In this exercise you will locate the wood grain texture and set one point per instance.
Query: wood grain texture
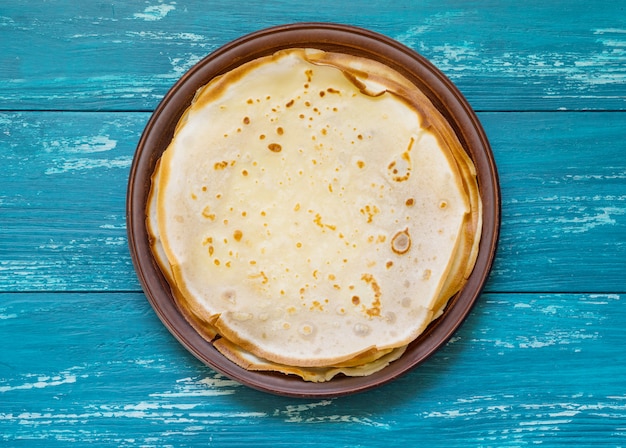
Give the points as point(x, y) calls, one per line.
point(65, 175)
point(63, 200)
point(563, 180)
point(125, 55)
point(523, 369)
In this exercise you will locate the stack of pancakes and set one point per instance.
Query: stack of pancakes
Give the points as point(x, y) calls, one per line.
point(313, 214)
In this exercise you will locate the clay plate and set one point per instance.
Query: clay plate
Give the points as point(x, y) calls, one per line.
point(330, 37)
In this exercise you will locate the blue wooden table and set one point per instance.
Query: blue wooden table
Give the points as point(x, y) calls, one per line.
point(85, 360)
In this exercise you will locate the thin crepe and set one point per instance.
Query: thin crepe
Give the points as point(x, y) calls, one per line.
point(315, 206)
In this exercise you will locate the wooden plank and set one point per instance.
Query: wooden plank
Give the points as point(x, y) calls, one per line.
point(62, 224)
point(564, 201)
point(101, 369)
point(125, 55)
point(62, 200)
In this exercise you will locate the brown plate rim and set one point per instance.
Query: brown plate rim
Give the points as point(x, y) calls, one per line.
point(331, 37)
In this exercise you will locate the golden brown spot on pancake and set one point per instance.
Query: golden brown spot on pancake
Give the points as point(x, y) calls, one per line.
point(289, 103)
point(296, 207)
point(370, 211)
point(217, 262)
point(206, 212)
point(309, 75)
point(274, 147)
point(261, 275)
point(237, 234)
point(220, 165)
point(322, 93)
point(204, 188)
point(318, 220)
point(406, 157)
point(306, 329)
point(262, 137)
point(401, 242)
point(280, 130)
point(374, 310)
point(316, 305)
point(298, 244)
point(389, 264)
point(250, 101)
point(360, 164)
point(355, 299)
point(244, 173)
point(443, 204)
point(360, 137)
point(211, 250)
point(307, 103)
point(410, 202)
point(246, 120)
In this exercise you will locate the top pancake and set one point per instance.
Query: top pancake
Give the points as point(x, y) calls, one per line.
point(314, 207)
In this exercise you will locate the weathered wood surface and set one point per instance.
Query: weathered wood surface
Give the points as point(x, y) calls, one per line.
point(523, 369)
point(532, 55)
point(84, 359)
